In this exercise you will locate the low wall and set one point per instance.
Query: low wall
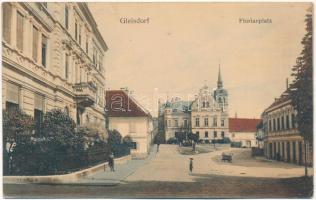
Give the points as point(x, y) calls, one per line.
point(64, 178)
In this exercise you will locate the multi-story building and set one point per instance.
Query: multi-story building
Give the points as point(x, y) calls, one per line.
point(175, 116)
point(209, 112)
point(53, 57)
point(130, 118)
point(282, 140)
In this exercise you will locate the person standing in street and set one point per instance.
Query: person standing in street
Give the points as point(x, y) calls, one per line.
point(111, 162)
point(158, 146)
point(191, 165)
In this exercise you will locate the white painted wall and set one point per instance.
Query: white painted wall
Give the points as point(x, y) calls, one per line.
point(140, 130)
point(244, 137)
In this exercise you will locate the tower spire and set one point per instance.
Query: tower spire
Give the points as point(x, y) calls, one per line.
point(219, 80)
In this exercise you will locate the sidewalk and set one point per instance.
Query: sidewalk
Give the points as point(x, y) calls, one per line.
point(122, 171)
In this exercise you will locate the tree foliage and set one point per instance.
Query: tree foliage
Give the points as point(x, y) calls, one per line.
point(301, 90)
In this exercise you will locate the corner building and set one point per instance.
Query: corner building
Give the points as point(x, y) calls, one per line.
point(53, 57)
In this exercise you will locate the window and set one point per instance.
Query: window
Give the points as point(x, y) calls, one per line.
point(274, 127)
point(76, 31)
point(205, 121)
point(185, 122)
point(35, 43)
point(206, 134)
point(270, 127)
point(87, 45)
point(44, 50)
point(132, 128)
point(176, 123)
point(197, 121)
point(287, 122)
point(19, 31)
point(222, 122)
point(203, 104)
point(278, 124)
point(215, 134)
point(134, 145)
point(223, 134)
point(6, 23)
point(214, 121)
point(80, 34)
point(282, 123)
point(197, 134)
point(38, 112)
point(66, 17)
point(67, 66)
point(12, 97)
point(293, 120)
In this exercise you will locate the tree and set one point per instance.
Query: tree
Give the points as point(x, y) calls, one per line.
point(17, 130)
point(301, 90)
point(59, 142)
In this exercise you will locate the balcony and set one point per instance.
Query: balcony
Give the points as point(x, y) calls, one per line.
point(85, 94)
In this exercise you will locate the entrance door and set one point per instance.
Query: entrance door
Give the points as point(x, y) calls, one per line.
point(294, 152)
point(288, 152)
point(270, 150)
point(300, 151)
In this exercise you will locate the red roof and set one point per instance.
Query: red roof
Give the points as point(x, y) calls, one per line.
point(243, 125)
point(120, 104)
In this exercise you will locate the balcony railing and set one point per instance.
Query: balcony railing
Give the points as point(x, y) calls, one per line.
point(85, 94)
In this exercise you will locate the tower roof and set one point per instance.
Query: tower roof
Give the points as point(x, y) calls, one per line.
point(219, 80)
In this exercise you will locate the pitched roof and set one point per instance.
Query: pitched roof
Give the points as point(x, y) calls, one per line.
point(120, 104)
point(243, 124)
point(279, 101)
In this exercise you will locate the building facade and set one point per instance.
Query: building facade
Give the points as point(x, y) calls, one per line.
point(209, 112)
point(282, 140)
point(175, 116)
point(52, 57)
point(129, 118)
point(244, 131)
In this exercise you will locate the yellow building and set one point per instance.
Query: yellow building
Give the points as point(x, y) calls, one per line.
point(52, 57)
point(282, 140)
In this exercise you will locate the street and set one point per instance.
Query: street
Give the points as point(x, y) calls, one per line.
point(166, 175)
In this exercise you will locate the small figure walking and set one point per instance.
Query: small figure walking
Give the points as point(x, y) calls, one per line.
point(158, 146)
point(111, 162)
point(191, 165)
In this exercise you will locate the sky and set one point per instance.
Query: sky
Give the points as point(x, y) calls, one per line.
point(182, 46)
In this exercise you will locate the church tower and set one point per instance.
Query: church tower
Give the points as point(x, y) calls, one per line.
point(220, 94)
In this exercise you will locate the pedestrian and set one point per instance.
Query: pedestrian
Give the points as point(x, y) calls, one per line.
point(111, 162)
point(158, 146)
point(191, 165)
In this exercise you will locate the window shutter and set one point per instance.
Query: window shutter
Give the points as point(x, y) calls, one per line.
point(6, 23)
point(12, 93)
point(35, 43)
point(19, 33)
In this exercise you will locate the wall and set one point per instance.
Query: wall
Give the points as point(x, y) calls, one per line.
point(243, 137)
point(138, 128)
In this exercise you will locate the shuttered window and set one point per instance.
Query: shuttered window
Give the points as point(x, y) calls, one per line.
point(6, 21)
point(12, 93)
point(38, 102)
point(35, 44)
point(19, 31)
